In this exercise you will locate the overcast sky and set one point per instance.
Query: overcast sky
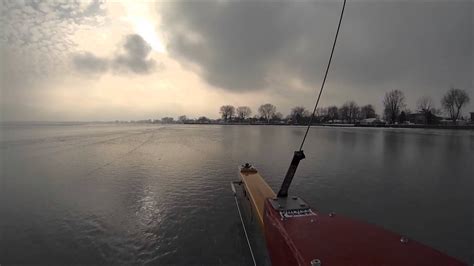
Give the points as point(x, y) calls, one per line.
point(138, 60)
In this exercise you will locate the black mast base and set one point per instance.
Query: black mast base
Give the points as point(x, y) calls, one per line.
point(297, 157)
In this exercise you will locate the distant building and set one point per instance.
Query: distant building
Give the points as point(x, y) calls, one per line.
point(422, 118)
point(472, 116)
point(417, 118)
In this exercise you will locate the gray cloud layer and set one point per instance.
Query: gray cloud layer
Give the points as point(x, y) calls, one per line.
point(43, 30)
point(243, 46)
point(132, 59)
point(35, 39)
point(90, 64)
point(135, 57)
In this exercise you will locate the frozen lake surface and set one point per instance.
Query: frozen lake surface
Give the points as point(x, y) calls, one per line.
point(121, 194)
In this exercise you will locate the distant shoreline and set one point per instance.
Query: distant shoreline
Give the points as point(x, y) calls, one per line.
point(75, 123)
point(416, 126)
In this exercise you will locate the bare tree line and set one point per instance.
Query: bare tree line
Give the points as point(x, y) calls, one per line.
point(452, 102)
point(394, 111)
point(267, 112)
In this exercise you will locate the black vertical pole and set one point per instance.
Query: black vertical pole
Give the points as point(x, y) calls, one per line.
point(297, 157)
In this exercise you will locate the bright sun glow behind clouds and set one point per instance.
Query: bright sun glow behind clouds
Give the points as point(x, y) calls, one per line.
point(146, 29)
point(145, 23)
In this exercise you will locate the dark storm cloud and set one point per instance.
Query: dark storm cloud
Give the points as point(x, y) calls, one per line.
point(245, 45)
point(234, 42)
point(132, 58)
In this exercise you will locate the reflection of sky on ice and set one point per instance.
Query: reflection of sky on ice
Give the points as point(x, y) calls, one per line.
point(105, 193)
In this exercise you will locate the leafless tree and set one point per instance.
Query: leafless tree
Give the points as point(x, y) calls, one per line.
point(227, 111)
point(354, 111)
point(344, 112)
point(367, 111)
point(350, 111)
point(297, 114)
point(426, 106)
point(453, 101)
point(167, 120)
point(182, 119)
point(277, 116)
point(333, 113)
point(243, 112)
point(267, 111)
point(321, 112)
point(393, 102)
point(203, 119)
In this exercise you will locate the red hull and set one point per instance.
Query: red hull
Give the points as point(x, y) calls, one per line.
point(336, 240)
